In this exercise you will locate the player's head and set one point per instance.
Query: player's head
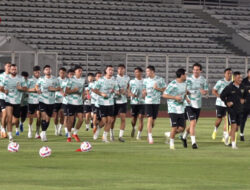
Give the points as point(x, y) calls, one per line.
point(78, 71)
point(98, 75)
point(62, 72)
point(91, 77)
point(248, 73)
point(228, 74)
point(109, 70)
point(36, 71)
point(237, 77)
point(70, 73)
point(7, 67)
point(197, 68)
point(121, 69)
point(13, 69)
point(150, 71)
point(25, 75)
point(47, 70)
point(138, 72)
point(181, 74)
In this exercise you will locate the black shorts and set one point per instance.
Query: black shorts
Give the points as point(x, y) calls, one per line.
point(74, 109)
point(87, 109)
point(233, 117)
point(221, 111)
point(65, 109)
point(2, 105)
point(32, 108)
point(177, 120)
point(137, 110)
point(151, 110)
point(23, 112)
point(47, 108)
point(98, 114)
point(93, 108)
point(192, 113)
point(57, 107)
point(16, 109)
point(107, 111)
point(120, 108)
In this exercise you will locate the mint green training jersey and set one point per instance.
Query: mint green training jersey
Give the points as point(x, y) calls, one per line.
point(153, 96)
point(193, 86)
point(14, 95)
point(2, 79)
point(122, 82)
point(136, 87)
point(175, 88)
point(47, 97)
point(76, 98)
point(107, 86)
point(33, 96)
point(58, 94)
point(219, 87)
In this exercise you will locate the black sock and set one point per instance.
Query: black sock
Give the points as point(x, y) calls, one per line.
point(47, 125)
point(44, 125)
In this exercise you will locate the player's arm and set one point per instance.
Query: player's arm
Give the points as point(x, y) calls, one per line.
point(168, 96)
point(22, 86)
point(71, 91)
point(53, 89)
point(158, 88)
point(97, 91)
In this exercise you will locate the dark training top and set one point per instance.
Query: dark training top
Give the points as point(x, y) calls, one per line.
point(232, 93)
point(246, 84)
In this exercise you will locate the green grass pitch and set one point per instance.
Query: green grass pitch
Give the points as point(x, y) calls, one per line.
point(130, 165)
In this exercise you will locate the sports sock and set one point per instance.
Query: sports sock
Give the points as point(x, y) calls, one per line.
point(215, 129)
point(75, 131)
point(171, 143)
point(87, 126)
point(69, 134)
point(10, 135)
point(193, 139)
point(185, 135)
point(139, 134)
point(241, 134)
point(121, 133)
point(233, 144)
point(105, 134)
point(44, 124)
point(150, 136)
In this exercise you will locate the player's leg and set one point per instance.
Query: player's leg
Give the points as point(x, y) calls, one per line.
point(134, 114)
point(56, 115)
point(244, 116)
point(234, 128)
point(24, 114)
point(61, 121)
point(116, 113)
point(79, 116)
point(87, 120)
point(9, 114)
point(3, 120)
point(140, 126)
point(108, 112)
point(217, 121)
point(16, 115)
point(70, 112)
point(123, 111)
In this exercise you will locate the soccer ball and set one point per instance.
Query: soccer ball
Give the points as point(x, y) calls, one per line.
point(85, 146)
point(13, 147)
point(45, 151)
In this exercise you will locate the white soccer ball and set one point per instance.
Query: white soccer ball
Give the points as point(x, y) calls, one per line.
point(85, 146)
point(45, 151)
point(13, 147)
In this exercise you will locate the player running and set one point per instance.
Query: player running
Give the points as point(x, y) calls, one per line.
point(46, 87)
point(196, 86)
point(176, 94)
point(120, 102)
point(106, 87)
point(3, 99)
point(153, 87)
point(87, 101)
point(221, 108)
point(14, 86)
point(137, 102)
point(75, 94)
point(234, 96)
point(58, 110)
point(33, 102)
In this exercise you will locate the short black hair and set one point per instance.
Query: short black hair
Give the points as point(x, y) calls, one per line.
point(248, 70)
point(197, 65)
point(107, 67)
point(151, 67)
point(13, 65)
point(6, 63)
point(236, 73)
point(180, 72)
point(70, 71)
point(90, 74)
point(98, 73)
point(24, 74)
point(46, 66)
point(77, 67)
point(122, 65)
point(227, 69)
point(138, 69)
point(36, 68)
point(62, 69)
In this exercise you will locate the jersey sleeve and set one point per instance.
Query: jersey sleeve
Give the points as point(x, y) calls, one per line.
point(162, 83)
point(217, 85)
point(98, 85)
point(169, 89)
point(205, 85)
